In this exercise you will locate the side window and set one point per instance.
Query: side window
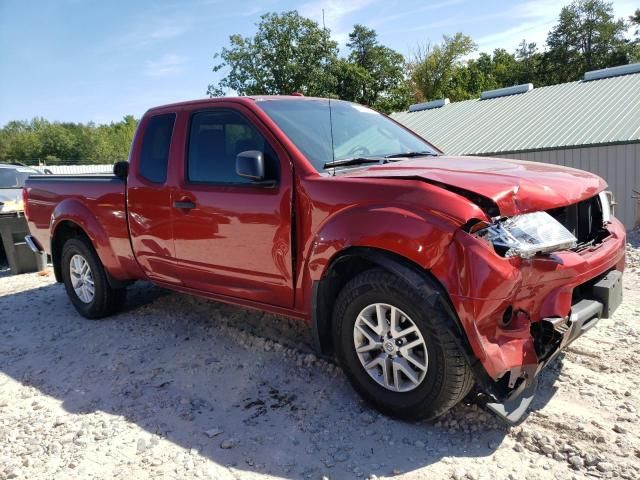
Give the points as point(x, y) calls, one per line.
point(154, 153)
point(215, 139)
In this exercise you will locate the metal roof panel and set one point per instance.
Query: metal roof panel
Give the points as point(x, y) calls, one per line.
point(579, 113)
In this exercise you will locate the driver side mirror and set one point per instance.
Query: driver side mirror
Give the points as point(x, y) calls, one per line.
point(250, 164)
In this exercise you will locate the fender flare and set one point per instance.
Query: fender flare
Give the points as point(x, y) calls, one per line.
point(74, 211)
point(414, 275)
point(397, 228)
point(420, 237)
point(399, 266)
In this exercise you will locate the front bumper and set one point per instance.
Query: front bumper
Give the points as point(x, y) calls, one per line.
point(519, 314)
point(553, 335)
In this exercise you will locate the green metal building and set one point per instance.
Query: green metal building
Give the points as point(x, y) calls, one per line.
point(592, 124)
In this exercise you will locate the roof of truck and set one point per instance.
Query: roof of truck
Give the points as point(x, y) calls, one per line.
point(242, 99)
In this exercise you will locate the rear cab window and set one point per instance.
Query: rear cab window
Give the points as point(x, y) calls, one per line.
point(154, 152)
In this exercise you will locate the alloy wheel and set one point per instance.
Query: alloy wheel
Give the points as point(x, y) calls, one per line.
point(82, 278)
point(390, 347)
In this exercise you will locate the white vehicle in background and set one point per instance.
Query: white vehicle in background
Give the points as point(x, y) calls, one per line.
point(12, 178)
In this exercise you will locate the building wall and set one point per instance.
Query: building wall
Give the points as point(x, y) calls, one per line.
point(619, 165)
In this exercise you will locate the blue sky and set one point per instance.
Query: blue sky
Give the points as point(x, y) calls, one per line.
point(98, 60)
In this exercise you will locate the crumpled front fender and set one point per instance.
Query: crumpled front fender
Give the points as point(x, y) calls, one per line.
point(419, 237)
point(486, 289)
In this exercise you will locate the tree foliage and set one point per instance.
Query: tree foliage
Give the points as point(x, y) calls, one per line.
point(435, 67)
point(372, 74)
point(289, 53)
point(586, 37)
point(635, 20)
point(40, 141)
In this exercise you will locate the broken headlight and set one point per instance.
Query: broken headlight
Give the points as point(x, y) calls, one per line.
point(608, 204)
point(527, 235)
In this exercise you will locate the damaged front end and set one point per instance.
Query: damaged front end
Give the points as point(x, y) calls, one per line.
point(526, 286)
point(528, 235)
point(551, 335)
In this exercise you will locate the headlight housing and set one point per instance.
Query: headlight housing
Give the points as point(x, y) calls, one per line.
point(607, 201)
point(528, 234)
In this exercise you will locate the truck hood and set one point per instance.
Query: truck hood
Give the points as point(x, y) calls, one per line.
point(515, 186)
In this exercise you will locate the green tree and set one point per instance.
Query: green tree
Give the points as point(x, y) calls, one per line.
point(56, 140)
point(635, 20)
point(18, 143)
point(54, 143)
point(485, 72)
point(120, 136)
point(530, 62)
point(349, 80)
point(505, 68)
point(586, 37)
point(372, 74)
point(434, 68)
point(288, 53)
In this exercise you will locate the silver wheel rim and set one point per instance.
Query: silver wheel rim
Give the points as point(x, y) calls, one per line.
point(82, 278)
point(390, 347)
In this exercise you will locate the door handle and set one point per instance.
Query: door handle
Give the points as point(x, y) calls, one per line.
point(184, 204)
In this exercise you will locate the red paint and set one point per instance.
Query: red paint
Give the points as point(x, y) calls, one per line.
point(99, 211)
point(482, 285)
point(239, 244)
point(149, 215)
point(516, 186)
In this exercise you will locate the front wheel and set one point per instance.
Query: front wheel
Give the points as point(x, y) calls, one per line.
point(398, 350)
point(86, 281)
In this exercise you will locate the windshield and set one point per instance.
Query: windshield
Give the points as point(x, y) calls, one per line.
point(357, 131)
point(14, 177)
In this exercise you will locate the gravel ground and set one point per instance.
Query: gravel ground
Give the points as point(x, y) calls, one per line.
point(179, 387)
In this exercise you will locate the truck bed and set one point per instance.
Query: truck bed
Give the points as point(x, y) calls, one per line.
point(97, 203)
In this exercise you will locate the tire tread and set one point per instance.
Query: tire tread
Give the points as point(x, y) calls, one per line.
point(456, 377)
point(107, 300)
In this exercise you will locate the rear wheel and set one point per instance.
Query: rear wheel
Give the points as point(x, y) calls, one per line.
point(86, 281)
point(398, 350)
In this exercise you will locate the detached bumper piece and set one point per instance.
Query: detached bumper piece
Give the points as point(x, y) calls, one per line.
point(514, 407)
point(553, 335)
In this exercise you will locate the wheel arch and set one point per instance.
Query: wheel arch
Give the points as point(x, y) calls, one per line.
point(65, 230)
point(355, 260)
point(71, 217)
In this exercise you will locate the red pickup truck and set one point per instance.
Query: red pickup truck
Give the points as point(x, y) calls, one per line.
point(421, 273)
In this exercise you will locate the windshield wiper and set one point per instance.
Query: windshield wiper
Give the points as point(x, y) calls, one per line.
point(343, 162)
point(411, 154)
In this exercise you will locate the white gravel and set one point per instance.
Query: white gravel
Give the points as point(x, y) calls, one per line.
point(179, 387)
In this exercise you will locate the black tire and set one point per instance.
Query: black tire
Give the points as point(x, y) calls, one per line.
point(448, 378)
point(106, 299)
